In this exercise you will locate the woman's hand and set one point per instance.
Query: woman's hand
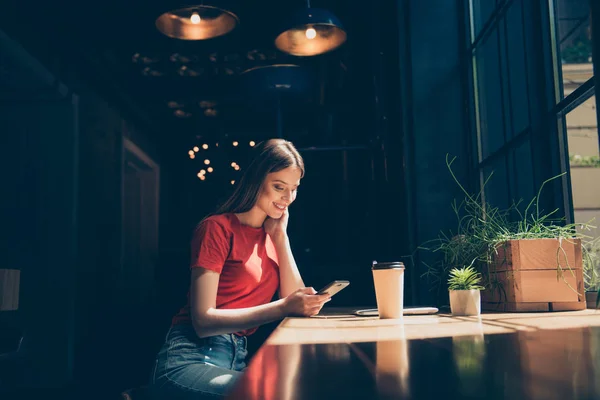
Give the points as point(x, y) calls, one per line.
point(304, 302)
point(277, 228)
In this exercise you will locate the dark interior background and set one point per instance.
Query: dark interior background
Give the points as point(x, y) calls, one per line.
point(374, 124)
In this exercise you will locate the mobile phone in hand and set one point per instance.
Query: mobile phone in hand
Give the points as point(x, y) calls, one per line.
point(333, 287)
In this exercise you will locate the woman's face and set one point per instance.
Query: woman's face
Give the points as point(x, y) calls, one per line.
point(279, 191)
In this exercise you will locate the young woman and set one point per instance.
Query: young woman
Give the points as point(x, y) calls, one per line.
point(240, 257)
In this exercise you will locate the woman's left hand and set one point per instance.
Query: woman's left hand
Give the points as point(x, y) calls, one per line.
point(277, 228)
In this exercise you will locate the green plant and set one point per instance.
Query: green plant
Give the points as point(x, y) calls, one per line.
point(584, 161)
point(483, 228)
point(591, 270)
point(592, 262)
point(465, 278)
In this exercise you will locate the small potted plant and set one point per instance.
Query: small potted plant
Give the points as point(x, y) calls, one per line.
point(464, 285)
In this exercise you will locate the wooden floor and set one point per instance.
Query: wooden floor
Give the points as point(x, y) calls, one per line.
point(497, 356)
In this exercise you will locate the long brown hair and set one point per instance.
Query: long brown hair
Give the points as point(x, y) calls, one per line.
point(270, 156)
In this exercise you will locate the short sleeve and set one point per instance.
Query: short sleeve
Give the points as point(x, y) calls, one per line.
point(210, 246)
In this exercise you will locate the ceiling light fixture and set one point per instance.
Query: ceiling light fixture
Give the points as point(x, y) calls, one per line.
point(310, 32)
point(199, 22)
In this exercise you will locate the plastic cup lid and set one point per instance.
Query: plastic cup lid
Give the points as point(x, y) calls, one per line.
point(388, 265)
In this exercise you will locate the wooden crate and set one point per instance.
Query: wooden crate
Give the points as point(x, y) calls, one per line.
point(528, 270)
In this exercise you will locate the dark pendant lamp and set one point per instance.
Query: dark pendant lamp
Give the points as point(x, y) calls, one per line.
point(196, 22)
point(311, 31)
point(272, 84)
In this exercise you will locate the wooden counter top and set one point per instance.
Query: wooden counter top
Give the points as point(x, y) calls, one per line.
point(496, 356)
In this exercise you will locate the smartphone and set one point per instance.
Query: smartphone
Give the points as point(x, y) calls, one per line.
point(333, 287)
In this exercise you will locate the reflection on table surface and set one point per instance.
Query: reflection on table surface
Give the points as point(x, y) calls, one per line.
point(497, 356)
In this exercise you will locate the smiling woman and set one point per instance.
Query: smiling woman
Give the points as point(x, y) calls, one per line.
point(240, 257)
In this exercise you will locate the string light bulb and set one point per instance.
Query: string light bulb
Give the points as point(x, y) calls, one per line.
point(205, 146)
point(202, 177)
point(252, 144)
point(195, 18)
point(191, 152)
point(233, 164)
point(232, 182)
point(192, 156)
point(235, 144)
point(196, 149)
point(210, 169)
point(237, 167)
point(207, 161)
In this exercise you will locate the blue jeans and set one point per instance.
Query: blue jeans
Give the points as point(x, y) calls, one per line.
point(188, 367)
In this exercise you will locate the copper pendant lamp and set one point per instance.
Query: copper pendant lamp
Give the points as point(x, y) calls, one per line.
point(311, 31)
point(199, 22)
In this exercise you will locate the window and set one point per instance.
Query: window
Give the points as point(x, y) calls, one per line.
point(574, 41)
point(500, 60)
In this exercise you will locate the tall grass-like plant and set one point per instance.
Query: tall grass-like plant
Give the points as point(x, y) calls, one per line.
point(483, 228)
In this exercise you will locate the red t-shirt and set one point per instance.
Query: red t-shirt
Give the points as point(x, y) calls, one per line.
point(245, 258)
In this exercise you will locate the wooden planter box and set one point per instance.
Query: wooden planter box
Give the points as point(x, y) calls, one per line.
point(528, 272)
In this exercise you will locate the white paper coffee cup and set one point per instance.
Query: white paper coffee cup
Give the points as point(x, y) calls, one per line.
point(389, 288)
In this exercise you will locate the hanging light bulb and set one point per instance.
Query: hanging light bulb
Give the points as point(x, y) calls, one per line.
point(300, 37)
point(232, 182)
point(199, 22)
point(195, 18)
point(205, 146)
point(235, 144)
point(311, 33)
point(252, 143)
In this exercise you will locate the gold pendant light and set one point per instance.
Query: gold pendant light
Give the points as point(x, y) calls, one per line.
point(196, 22)
point(310, 32)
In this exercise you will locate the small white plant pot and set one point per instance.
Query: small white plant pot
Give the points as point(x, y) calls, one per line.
point(465, 302)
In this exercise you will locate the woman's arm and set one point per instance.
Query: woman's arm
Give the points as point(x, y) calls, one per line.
point(289, 276)
point(209, 321)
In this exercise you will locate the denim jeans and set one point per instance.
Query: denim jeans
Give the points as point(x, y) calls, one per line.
point(188, 367)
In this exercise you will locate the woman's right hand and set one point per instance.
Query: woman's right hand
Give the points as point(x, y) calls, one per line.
point(304, 302)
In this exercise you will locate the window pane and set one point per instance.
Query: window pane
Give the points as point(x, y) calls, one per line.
point(517, 69)
point(496, 192)
point(481, 11)
point(584, 156)
point(523, 175)
point(489, 95)
point(574, 41)
point(582, 134)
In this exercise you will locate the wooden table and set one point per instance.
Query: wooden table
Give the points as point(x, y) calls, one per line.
point(498, 356)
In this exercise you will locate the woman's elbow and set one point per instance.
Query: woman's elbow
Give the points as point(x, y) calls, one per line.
point(201, 326)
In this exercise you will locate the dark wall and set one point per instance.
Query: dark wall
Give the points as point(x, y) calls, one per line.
point(65, 136)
